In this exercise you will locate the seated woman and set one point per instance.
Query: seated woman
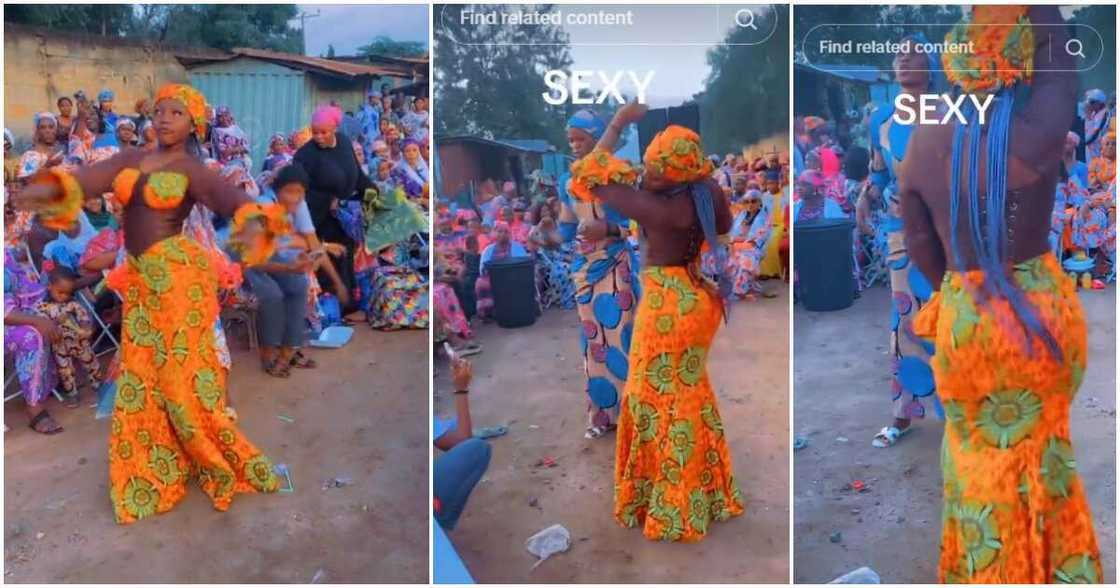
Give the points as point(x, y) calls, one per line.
point(451, 323)
point(554, 260)
point(27, 338)
point(280, 284)
point(503, 247)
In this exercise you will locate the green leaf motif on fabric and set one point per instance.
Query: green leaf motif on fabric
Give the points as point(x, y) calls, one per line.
point(206, 388)
point(154, 271)
point(258, 471)
point(164, 463)
point(711, 420)
point(131, 393)
point(660, 374)
point(683, 439)
point(179, 347)
point(698, 514)
point(140, 497)
point(168, 185)
point(1078, 569)
point(691, 368)
point(1007, 417)
point(1058, 467)
point(180, 420)
point(979, 536)
point(645, 421)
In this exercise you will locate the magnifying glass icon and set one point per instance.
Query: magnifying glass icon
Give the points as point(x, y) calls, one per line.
point(745, 18)
point(1074, 47)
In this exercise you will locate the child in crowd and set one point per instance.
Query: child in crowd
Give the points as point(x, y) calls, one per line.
point(75, 342)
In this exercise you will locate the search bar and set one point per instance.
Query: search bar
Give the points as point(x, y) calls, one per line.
point(613, 25)
point(854, 47)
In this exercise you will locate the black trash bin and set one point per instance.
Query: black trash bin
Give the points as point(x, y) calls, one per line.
point(513, 284)
point(822, 256)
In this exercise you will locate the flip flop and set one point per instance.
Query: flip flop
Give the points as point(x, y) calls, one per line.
point(888, 436)
point(39, 418)
point(490, 432)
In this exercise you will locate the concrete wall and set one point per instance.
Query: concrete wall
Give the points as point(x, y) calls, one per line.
point(39, 68)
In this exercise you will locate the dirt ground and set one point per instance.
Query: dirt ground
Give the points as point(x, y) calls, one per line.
point(841, 379)
point(531, 380)
point(362, 415)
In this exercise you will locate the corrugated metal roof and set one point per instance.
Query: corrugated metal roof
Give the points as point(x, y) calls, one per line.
point(527, 145)
point(300, 62)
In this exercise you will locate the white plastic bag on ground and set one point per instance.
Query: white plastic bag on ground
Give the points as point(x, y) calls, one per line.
point(549, 542)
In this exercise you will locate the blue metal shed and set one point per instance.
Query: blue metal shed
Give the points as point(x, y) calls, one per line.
point(270, 92)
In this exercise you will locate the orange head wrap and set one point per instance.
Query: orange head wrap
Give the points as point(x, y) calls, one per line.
point(192, 99)
point(675, 154)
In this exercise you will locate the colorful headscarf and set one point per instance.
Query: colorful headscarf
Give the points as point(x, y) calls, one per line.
point(1096, 95)
point(192, 99)
point(277, 137)
point(327, 114)
point(675, 154)
point(43, 115)
point(222, 111)
point(813, 123)
point(9, 137)
point(124, 121)
point(588, 122)
point(105, 95)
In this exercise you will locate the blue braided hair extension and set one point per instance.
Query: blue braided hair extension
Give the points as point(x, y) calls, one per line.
point(704, 202)
point(989, 239)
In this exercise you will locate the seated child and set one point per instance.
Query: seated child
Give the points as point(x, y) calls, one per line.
point(75, 340)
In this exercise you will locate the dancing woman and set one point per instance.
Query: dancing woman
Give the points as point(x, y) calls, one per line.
point(673, 473)
point(912, 380)
point(603, 275)
point(1009, 328)
point(169, 425)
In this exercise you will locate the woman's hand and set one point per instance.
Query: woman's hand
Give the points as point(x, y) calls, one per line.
point(47, 328)
point(35, 197)
point(631, 112)
point(335, 249)
point(461, 374)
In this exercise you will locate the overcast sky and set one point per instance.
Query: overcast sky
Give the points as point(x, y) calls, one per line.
point(675, 40)
point(348, 27)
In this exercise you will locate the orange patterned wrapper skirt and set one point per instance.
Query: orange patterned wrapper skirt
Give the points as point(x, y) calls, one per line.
point(1015, 510)
point(169, 424)
point(673, 474)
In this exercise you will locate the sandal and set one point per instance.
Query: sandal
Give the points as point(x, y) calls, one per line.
point(52, 427)
point(277, 369)
point(469, 349)
point(888, 436)
point(301, 361)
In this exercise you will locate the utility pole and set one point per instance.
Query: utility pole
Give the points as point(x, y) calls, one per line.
point(303, 16)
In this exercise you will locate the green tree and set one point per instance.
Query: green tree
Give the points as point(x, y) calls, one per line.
point(218, 26)
point(1102, 18)
point(488, 79)
point(384, 46)
point(106, 20)
point(746, 94)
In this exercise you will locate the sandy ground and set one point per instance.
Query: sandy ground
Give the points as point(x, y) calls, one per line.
point(841, 379)
point(531, 379)
point(361, 415)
